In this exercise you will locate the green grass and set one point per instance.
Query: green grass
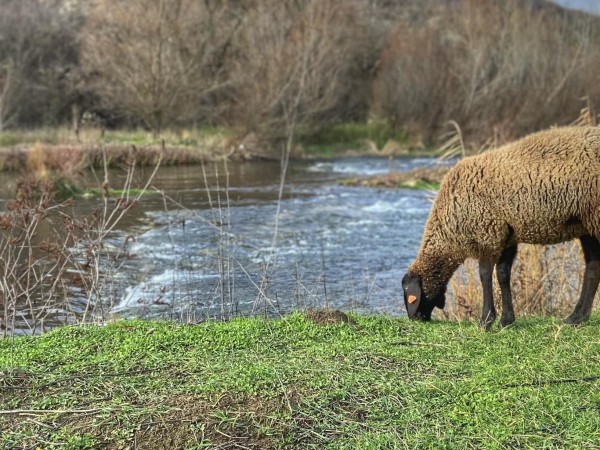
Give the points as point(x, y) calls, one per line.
point(350, 136)
point(192, 137)
point(327, 141)
point(420, 185)
point(9, 138)
point(380, 384)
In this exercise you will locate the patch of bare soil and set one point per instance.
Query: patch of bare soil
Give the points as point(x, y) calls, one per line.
point(229, 421)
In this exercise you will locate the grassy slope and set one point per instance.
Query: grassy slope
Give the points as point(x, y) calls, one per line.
point(250, 383)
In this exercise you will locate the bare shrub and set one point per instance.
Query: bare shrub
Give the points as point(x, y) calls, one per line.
point(296, 64)
point(157, 60)
point(43, 160)
point(56, 265)
point(497, 68)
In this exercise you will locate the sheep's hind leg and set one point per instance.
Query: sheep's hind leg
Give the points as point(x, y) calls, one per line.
point(503, 270)
point(591, 278)
point(486, 272)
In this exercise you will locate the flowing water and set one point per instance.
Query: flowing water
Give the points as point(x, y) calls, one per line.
point(217, 243)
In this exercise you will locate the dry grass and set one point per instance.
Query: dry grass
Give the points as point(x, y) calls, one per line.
point(68, 159)
point(60, 150)
point(546, 281)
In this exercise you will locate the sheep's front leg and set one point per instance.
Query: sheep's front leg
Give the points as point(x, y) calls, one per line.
point(591, 278)
point(503, 269)
point(486, 272)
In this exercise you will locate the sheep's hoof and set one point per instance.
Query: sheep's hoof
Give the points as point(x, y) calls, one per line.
point(576, 319)
point(507, 320)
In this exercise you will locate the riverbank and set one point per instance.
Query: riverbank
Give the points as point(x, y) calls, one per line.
point(55, 147)
point(367, 382)
point(69, 158)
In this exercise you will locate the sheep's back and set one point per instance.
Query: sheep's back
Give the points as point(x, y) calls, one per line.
point(542, 189)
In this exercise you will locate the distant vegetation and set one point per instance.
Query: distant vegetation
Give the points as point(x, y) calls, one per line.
point(280, 68)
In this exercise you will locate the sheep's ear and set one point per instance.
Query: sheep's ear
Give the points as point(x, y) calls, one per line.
point(413, 297)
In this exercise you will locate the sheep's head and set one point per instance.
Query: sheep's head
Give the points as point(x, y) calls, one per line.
point(418, 305)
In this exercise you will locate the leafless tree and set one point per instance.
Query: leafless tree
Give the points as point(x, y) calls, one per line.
point(37, 48)
point(157, 59)
point(7, 105)
point(294, 62)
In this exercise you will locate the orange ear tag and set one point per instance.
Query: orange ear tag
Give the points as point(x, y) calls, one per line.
point(412, 299)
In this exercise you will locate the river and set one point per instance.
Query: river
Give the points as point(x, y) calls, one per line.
point(214, 242)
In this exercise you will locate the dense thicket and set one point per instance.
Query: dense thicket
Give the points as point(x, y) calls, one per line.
point(497, 68)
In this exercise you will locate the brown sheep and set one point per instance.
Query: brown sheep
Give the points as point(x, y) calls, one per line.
point(542, 189)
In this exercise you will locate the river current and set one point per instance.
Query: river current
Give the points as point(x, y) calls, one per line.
point(232, 249)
